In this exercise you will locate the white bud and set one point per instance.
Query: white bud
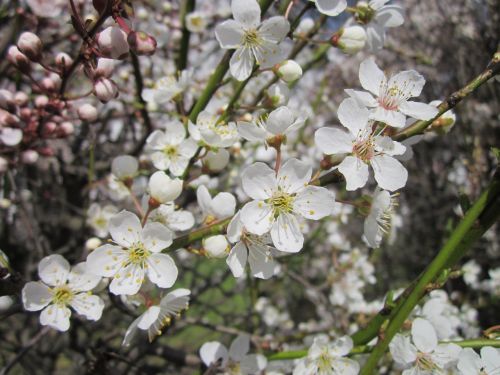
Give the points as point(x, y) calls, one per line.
point(63, 60)
point(279, 93)
point(216, 161)
point(113, 42)
point(163, 189)
point(216, 246)
point(105, 89)
point(350, 39)
point(31, 45)
point(104, 67)
point(29, 157)
point(124, 167)
point(305, 25)
point(21, 98)
point(92, 243)
point(289, 71)
point(19, 59)
point(5, 203)
point(5, 303)
point(87, 112)
point(67, 128)
point(196, 22)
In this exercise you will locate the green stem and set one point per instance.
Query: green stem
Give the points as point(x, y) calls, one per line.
point(476, 221)
point(451, 101)
point(186, 8)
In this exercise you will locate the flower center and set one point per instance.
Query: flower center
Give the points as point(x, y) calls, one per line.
point(364, 13)
point(138, 254)
point(251, 38)
point(282, 203)
point(62, 295)
point(425, 362)
point(364, 149)
point(325, 362)
point(170, 151)
point(234, 368)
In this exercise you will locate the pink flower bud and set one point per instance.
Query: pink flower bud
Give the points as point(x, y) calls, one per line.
point(48, 85)
point(87, 112)
point(41, 101)
point(7, 100)
point(105, 89)
point(18, 59)
point(113, 42)
point(142, 43)
point(21, 98)
point(63, 60)
point(31, 45)
point(49, 128)
point(29, 157)
point(25, 113)
point(67, 128)
point(104, 67)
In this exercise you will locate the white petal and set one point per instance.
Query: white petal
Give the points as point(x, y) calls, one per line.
point(402, 350)
point(286, 234)
point(269, 54)
point(125, 228)
point(392, 118)
point(259, 181)
point(257, 216)
point(175, 132)
point(36, 296)
point(204, 200)
point(280, 120)
point(128, 280)
point(148, 317)
point(246, 12)
point(388, 146)
point(355, 172)
point(333, 141)
point(375, 36)
point(362, 97)
point(469, 363)
point(90, 306)
point(174, 302)
point(423, 335)
point(131, 331)
point(390, 16)
point(241, 64)
point(188, 148)
point(10, 136)
point(178, 166)
point(371, 76)
point(491, 359)
point(229, 34)
point(274, 29)
point(53, 270)
point(106, 260)
point(446, 355)
point(348, 366)
point(342, 346)
point(331, 8)
point(239, 347)
point(237, 259)
point(223, 205)
point(162, 270)
point(212, 351)
point(260, 260)
point(56, 317)
point(251, 132)
point(157, 140)
point(409, 81)
point(160, 161)
point(156, 237)
point(180, 220)
point(420, 111)
point(80, 279)
point(253, 364)
point(372, 231)
point(235, 228)
point(314, 202)
point(353, 116)
point(294, 175)
point(390, 174)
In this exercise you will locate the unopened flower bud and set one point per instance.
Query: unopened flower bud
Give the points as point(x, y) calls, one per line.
point(164, 189)
point(216, 246)
point(18, 59)
point(141, 43)
point(87, 112)
point(216, 161)
point(305, 26)
point(113, 42)
point(67, 128)
point(350, 39)
point(7, 100)
point(104, 67)
point(444, 123)
point(29, 157)
point(41, 101)
point(31, 45)
point(277, 95)
point(92, 243)
point(124, 167)
point(105, 89)
point(21, 98)
point(63, 60)
point(49, 128)
point(196, 22)
point(289, 71)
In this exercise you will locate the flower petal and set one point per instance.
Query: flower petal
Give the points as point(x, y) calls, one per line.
point(424, 335)
point(106, 260)
point(237, 259)
point(286, 234)
point(90, 306)
point(469, 363)
point(392, 118)
point(223, 205)
point(390, 174)
point(125, 228)
point(294, 175)
point(128, 280)
point(36, 296)
point(241, 64)
point(239, 347)
point(314, 202)
point(353, 116)
point(213, 351)
point(251, 132)
point(156, 237)
point(274, 29)
point(333, 141)
point(331, 8)
point(148, 317)
point(162, 270)
point(81, 279)
point(259, 181)
point(257, 217)
point(402, 350)
point(419, 111)
point(262, 264)
point(247, 12)
point(56, 316)
point(409, 81)
point(229, 34)
point(354, 171)
point(390, 16)
point(180, 220)
point(53, 270)
point(491, 359)
point(253, 364)
point(371, 76)
point(362, 97)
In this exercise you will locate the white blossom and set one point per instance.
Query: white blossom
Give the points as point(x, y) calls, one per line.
point(470, 363)
point(213, 133)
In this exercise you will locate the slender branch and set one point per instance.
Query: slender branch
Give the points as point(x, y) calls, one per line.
point(182, 60)
point(451, 101)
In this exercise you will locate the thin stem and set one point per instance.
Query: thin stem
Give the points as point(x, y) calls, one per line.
point(182, 60)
